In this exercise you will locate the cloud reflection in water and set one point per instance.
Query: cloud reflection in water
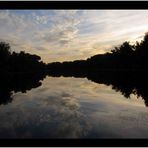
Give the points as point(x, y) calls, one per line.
point(73, 108)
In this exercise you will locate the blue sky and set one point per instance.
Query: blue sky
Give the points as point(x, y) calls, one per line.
point(59, 35)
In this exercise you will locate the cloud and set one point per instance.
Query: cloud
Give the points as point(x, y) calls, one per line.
point(74, 34)
point(64, 28)
point(40, 19)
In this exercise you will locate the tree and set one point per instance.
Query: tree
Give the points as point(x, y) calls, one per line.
point(4, 52)
point(144, 45)
point(124, 49)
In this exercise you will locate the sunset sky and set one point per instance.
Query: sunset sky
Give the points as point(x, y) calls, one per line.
point(65, 35)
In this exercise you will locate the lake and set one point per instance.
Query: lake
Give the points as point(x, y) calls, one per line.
point(68, 107)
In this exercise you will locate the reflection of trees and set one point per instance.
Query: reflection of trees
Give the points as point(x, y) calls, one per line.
point(126, 82)
point(17, 83)
point(18, 72)
point(129, 82)
point(125, 68)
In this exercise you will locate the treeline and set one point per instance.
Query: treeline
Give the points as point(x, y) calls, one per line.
point(19, 72)
point(23, 71)
point(123, 57)
point(21, 62)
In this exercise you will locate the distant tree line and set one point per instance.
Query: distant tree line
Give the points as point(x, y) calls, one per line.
point(19, 72)
point(125, 68)
point(23, 71)
point(123, 57)
point(18, 62)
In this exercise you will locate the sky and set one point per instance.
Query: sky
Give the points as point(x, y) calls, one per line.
point(67, 35)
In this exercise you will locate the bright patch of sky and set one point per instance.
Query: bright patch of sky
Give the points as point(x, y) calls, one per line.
point(59, 35)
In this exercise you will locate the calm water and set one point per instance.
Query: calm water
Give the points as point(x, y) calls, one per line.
point(73, 108)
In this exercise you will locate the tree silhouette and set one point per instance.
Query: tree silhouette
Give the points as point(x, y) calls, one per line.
point(125, 68)
point(4, 54)
point(18, 72)
point(4, 50)
point(124, 49)
point(19, 62)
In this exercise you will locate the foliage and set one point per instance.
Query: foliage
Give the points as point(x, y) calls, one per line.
point(18, 62)
point(125, 56)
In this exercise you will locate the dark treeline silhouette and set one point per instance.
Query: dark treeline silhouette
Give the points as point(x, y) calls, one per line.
point(19, 72)
point(125, 68)
point(22, 62)
point(123, 57)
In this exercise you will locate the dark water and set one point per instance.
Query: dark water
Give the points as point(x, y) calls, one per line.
point(68, 107)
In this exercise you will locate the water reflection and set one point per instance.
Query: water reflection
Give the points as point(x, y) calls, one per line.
point(44, 112)
point(70, 108)
point(128, 83)
point(10, 83)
